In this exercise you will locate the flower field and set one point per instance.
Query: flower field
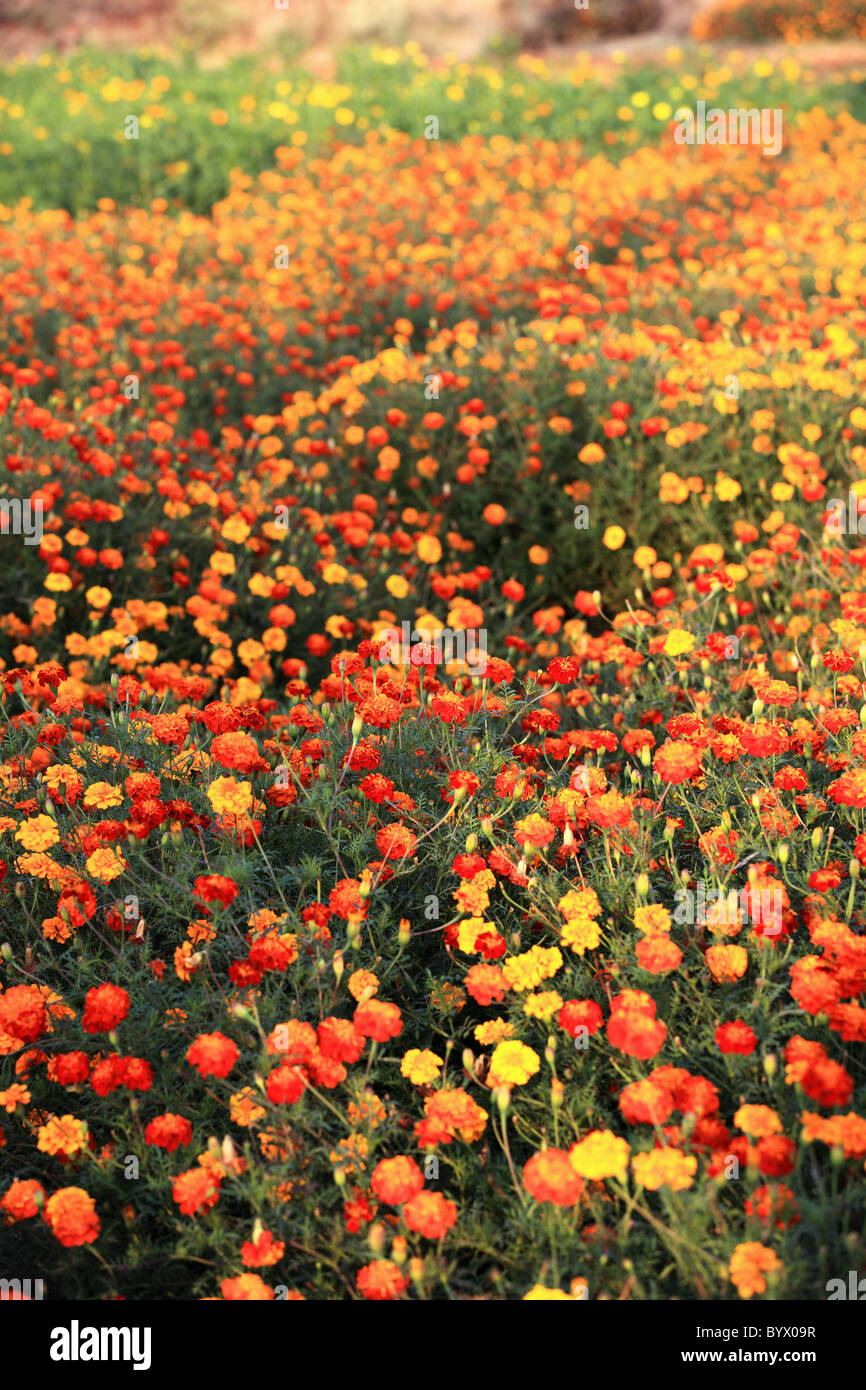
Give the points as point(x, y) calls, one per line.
point(526, 964)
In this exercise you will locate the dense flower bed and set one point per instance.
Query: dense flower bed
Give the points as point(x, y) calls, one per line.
point(794, 21)
point(333, 967)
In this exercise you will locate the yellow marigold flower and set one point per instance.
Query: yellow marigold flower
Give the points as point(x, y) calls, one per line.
point(613, 538)
point(600, 1155)
point(678, 642)
point(591, 453)
point(512, 1064)
point(664, 1168)
point(230, 798)
point(397, 585)
point(538, 1293)
point(429, 550)
point(748, 1265)
point(758, 1121)
point(537, 964)
point(580, 902)
point(644, 557)
point(421, 1067)
point(495, 1030)
point(543, 1005)
point(581, 934)
point(469, 931)
point(38, 833)
point(98, 597)
point(101, 795)
point(652, 919)
point(105, 864)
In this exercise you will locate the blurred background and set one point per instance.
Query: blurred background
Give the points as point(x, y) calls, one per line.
point(462, 29)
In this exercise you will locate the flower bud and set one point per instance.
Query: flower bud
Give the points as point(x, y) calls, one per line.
point(404, 931)
point(770, 1065)
point(357, 726)
point(471, 844)
point(817, 836)
point(784, 854)
point(376, 1238)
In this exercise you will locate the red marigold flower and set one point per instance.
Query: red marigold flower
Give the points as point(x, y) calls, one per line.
point(212, 1054)
point(736, 1037)
point(104, 1007)
point(170, 729)
point(776, 1155)
point(576, 1014)
point(168, 1132)
point(396, 1180)
point(549, 1177)
point(286, 1085)
point(211, 888)
point(838, 660)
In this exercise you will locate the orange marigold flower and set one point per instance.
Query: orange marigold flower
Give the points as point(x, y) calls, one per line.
point(71, 1214)
point(396, 1180)
point(677, 761)
point(212, 1054)
point(748, 1265)
point(382, 1280)
point(549, 1177)
point(247, 1288)
point(198, 1189)
point(430, 1214)
point(758, 1121)
point(727, 963)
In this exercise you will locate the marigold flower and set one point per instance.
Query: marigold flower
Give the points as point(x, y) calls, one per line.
point(664, 1168)
point(382, 1280)
point(71, 1214)
point(421, 1067)
point(600, 1155)
point(212, 1054)
point(549, 1177)
point(727, 963)
point(430, 1214)
point(748, 1265)
point(512, 1064)
point(104, 1007)
point(396, 1180)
